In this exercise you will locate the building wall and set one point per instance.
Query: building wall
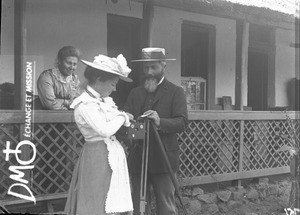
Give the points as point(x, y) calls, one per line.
point(7, 42)
point(285, 71)
point(166, 32)
point(53, 24)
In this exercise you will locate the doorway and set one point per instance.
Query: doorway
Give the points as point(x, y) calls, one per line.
point(198, 64)
point(261, 67)
point(258, 80)
point(123, 37)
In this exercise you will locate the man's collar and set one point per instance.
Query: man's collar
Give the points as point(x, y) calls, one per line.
point(161, 80)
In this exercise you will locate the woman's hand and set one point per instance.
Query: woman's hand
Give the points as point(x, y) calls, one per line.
point(128, 118)
point(131, 118)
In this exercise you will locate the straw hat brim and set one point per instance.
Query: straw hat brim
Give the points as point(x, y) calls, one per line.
point(105, 69)
point(147, 60)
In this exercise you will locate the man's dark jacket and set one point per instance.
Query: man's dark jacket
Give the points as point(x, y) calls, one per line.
point(170, 104)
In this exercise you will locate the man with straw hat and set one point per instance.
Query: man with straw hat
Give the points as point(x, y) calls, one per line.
point(165, 104)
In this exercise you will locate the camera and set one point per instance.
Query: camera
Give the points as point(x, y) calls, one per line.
point(137, 130)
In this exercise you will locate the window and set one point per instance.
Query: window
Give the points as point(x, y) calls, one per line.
point(194, 89)
point(197, 64)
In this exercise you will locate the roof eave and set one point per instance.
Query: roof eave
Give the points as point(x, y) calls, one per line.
point(230, 10)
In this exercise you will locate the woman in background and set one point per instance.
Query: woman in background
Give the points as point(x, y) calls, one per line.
point(57, 87)
point(100, 181)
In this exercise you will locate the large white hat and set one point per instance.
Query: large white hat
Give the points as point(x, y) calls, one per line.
point(116, 66)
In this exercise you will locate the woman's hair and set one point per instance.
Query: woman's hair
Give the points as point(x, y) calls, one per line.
point(67, 51)
point(91, 74)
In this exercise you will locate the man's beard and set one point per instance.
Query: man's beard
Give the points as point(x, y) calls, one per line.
point(151, 84)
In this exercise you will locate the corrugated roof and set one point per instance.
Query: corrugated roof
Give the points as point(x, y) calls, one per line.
point(290, 7)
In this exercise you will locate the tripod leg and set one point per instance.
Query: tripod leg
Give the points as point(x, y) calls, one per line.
point(170, 171)
point(143, 187)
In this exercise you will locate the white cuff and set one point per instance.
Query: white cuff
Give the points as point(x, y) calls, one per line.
point(127, 121)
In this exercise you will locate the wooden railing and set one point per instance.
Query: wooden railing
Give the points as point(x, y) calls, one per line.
point(221, 146)
point(217, 146)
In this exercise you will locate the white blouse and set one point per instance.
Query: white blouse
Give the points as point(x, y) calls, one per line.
point(97, 118)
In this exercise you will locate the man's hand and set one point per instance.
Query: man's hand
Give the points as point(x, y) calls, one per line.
point(154, 116)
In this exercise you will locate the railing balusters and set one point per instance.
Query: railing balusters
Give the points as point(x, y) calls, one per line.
point(215, 148)
point(241, 151)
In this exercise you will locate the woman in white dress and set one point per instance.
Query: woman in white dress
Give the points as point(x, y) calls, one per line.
point(100, 181)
